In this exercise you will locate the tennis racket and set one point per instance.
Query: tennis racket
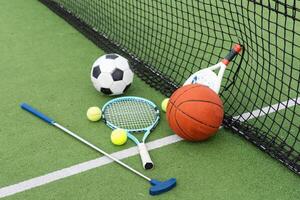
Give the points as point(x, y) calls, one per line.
point(133, 114)
point(208, 77)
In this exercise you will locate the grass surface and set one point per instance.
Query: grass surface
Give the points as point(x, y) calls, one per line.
point(46, 63)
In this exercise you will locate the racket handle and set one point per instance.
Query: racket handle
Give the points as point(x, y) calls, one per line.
point(145, 157)
point(233, 52)
point(36, 113)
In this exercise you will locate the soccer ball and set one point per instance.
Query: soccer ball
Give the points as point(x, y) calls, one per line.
point(111, 74)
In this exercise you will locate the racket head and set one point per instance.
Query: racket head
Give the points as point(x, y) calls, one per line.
point(134, 114)
point(205, 77)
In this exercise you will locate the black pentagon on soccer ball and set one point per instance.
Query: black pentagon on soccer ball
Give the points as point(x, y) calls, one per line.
point(106, 91)
point(117, 74)
point(126, 88)
point(111, 56)
point(96, 71)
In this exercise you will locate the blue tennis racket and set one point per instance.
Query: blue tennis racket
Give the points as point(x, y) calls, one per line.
point(134, 114)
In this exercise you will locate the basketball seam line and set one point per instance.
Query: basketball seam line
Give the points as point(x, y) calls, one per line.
point(193, 118)
point(183, 131)
point(178, 97)
point(201, 101)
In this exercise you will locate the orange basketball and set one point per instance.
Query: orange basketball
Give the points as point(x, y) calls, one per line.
point(195, 112)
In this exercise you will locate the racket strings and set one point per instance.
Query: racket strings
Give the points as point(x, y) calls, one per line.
point(131, 114)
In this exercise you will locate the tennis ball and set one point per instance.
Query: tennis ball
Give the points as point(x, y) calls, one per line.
point(164, 104)
point(118, 136)
point(94, 113)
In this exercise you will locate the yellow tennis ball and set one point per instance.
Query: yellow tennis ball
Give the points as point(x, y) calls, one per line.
point(94, 113)
point(164, 104)
point(118, 136)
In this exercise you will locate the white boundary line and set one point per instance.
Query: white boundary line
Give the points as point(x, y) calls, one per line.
point(88, 165)
point(269, 109)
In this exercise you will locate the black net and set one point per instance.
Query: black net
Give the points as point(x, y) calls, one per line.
point(166, 41)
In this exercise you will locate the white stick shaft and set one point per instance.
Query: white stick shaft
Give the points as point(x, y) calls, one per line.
point(99, 150)
point(145, 157)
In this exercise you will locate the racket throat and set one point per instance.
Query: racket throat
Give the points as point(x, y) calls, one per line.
point(219, 78)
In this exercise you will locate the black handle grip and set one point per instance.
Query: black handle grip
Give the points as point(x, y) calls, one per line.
point(233, 52)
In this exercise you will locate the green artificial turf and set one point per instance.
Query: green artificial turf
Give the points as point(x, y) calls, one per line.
point(46, 63)
point(225, 167)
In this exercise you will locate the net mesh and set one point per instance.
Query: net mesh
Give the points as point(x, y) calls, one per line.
point(166, 41)
point(130, 114)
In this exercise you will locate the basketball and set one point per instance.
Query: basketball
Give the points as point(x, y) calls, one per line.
point(195, 112)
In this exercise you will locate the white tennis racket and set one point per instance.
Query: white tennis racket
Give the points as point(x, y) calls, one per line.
point(208, 77)
point(134, 114)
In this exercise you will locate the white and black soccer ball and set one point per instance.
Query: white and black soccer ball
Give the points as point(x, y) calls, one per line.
point(111, 74)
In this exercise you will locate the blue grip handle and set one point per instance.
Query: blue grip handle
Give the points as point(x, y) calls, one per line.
point(37, 113)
